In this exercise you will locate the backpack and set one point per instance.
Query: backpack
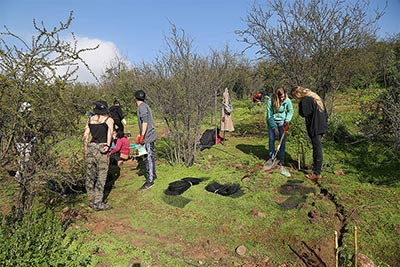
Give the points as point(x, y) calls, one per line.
point(208, 138)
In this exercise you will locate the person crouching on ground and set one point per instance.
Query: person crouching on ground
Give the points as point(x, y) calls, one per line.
point(312, 108)
point(100, 128)
point(122, 147)
point(279, 112)
point(147, 136)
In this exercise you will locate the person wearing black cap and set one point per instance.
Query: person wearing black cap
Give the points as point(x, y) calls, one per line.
point(118, 117)
point(147, 136)
point(100, 128)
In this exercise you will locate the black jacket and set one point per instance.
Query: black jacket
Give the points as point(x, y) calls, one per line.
point(116, 113)
point(316, 120)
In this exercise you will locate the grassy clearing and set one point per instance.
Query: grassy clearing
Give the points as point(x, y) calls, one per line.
point(274, 219)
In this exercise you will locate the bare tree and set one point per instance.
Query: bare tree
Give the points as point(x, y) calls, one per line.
point(37, 98)
point(309, 39)
point(182, 85)
point(119, 82)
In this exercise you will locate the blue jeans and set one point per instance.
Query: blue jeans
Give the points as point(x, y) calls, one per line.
point(272, 137)
point(150, 163)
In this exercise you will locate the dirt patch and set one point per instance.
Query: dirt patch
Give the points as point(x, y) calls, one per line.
point(99, 225)
point(308, 255)
point(297, 192)
point(240, 166)
point(205, 249)
point(194, 252)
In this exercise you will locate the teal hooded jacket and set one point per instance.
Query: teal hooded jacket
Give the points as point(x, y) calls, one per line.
point(284, 113)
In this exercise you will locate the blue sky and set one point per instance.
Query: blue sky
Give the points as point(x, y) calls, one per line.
point(136, 29)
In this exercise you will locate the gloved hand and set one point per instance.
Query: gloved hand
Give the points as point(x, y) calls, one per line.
point(123, 122)
point(139, 139)
point(285, 127)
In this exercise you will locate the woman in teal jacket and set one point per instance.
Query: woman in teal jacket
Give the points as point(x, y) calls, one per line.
point(279, 112)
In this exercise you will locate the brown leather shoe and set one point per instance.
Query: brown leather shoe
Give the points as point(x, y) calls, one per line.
point(313, 176)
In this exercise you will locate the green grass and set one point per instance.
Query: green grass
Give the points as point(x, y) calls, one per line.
point(272, 218)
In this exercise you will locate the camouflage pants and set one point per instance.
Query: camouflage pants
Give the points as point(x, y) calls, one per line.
point(96, 173)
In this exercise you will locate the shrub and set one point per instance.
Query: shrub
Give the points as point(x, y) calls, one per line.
point(338, 131)
point(38, 240)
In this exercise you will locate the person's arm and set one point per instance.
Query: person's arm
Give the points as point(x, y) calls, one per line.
point(121, 116)
point(86, 137)
point(117, 147)
point(290, 111)
point(110, 124)
point(144, 128)
point(270, 114)
point(301, 109)
point(306, 106)
point(144, 117)
point(140, 137)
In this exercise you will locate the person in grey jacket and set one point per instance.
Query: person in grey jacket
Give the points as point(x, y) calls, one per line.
point(147, 136)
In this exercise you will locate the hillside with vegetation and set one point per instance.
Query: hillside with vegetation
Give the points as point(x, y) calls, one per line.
point(351, 214)
point(281, 221)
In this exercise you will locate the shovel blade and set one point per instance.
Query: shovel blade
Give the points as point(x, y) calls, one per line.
point(270, 164)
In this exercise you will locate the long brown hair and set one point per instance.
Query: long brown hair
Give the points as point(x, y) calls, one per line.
point(276, 98)
point(299, 92)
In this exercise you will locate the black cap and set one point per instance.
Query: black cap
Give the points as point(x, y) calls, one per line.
point(140, 95)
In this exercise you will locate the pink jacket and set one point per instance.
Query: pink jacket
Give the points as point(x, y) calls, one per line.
point(122, 146)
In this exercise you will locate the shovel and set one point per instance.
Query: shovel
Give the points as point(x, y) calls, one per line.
point(272, 162)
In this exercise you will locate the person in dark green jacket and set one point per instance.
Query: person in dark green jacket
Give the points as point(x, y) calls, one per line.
point(312, 108)
point(279, 112)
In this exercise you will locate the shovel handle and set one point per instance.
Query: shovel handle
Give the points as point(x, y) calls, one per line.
point(279, 145)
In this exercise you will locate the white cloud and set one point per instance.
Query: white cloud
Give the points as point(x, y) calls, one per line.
point(97, 59)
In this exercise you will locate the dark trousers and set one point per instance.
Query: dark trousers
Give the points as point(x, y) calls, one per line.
point(317, 153)
point(150, 163)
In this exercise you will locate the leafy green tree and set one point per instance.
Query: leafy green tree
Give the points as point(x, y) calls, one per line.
point(298, 135)
point(120, 81)
point(381, 105)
